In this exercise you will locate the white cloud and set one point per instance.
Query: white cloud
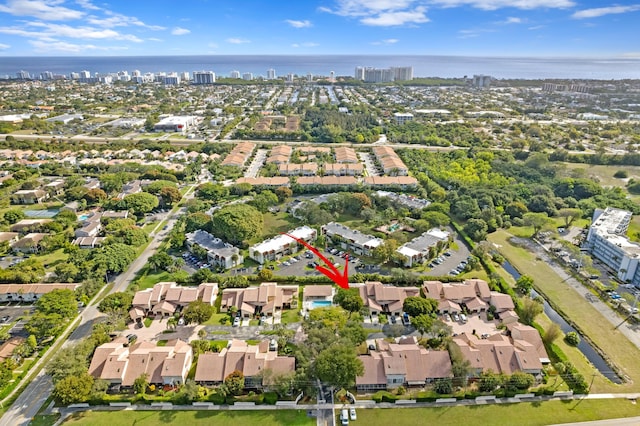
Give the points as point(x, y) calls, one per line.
point(119, 20)
point(86, 4)
point(305, 44)
point(380, 13)
point(388, 41)
point(48, 10)
point(61, 46)
point(47, 32)
point(537, 27)
point(180, 31)
point(513, 20)
point(236, 40)
point(499, 4)
point(154, 39)
point(602, 11)
point(4, 46)
point(472, 33)
point(389, 19)
point(298, 24)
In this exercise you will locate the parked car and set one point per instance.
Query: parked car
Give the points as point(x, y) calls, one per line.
point(236, 321)
point(455, 316)
point(344, 417)
point(352, 414)
point(463, 318)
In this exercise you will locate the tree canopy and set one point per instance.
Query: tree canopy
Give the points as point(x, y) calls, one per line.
point(237, 223)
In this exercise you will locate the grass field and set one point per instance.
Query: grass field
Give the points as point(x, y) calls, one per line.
point(219, 418)
point(276, 223)
point(529, 414)
point(150, 279)
point(613, 342)
point(604, 174)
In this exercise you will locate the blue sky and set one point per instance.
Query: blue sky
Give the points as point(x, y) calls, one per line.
point(421, 27)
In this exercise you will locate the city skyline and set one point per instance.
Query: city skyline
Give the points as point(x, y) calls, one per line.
point(421, 27)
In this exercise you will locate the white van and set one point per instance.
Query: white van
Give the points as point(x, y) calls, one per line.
point(463, 318)
point(344, 417)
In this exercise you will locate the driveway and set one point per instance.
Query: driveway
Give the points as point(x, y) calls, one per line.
point(256, 164)
point(158, 331)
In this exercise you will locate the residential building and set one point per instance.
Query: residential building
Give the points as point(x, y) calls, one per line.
point(410, 201)
point(268, 299)
point(399, 182)
point(165, 298)
point(424, 247)
point(343, 169)
point(471, 295)
point(501, 354)
point(384, 299)
point(402, 117)
point(317, 296)
point(271, 74)
point(239, 154)
point(344, 154)
point(55, 188)
point(234, 74)
point(607, 241)
point(11, 237)
point(30, 292)
point(89, 242)
point(30, 243)
point(121, 365)
point(390, 162)
point(402, 73)
point(247, 76)
point(89, 229)
point(29, 225)
point(204, 77)
point(219, 253)
point(404, 363)
point(482, 81)
point(350, 239)
point(252, 360)
point(304, 169)
point(279, 154)
point(273, 182)
point(29, 196)
point(327, 180)
point(129, 188)
point(281, 245)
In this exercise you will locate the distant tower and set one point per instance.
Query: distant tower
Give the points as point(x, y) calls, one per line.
point(481, 81)
point(271, 74)
point(332, 76)
point(235, 74)
point(309, 77)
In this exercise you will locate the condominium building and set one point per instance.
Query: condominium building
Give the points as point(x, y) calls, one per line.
point(607, 242)
point(271, 74)
point(219, 253)
point(351, 239)
point(423, 247)
point(402, 117)
point(481, 81)
point(281, 245)
point(247, 76)
point(234, 74)
point(204, 77)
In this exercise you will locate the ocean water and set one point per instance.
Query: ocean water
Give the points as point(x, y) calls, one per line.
point(342, 65)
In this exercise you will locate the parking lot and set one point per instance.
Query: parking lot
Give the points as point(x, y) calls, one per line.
point(456, 256)
point(302, 267)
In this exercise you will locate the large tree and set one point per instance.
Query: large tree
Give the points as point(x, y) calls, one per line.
point(416, 305)
point(338, 365)
point(60, 301)
point(422, 323)
point(537, 221)
point(197, 312)
point(140, 203)
point(529, 310)
point(237, 223)
point(349, 299)
point(116, 303)
point(73, 389)
point(115, 257)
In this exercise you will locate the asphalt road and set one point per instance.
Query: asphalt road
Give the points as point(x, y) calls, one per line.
point(28, 403)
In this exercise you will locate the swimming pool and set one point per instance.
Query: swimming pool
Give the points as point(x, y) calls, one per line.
point(84, 217)
point(320, 304)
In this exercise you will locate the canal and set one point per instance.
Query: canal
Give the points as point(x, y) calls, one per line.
point(584, 346)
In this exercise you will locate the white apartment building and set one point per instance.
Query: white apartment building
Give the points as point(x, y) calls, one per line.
point(204, 77)
point(402, 117)
point(351, 239)
point(607, 242)
point(281, 245)
point(234, 74)
point(247, 76)
point(271, 74)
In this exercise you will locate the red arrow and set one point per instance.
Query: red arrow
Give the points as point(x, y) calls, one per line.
point(333, 274)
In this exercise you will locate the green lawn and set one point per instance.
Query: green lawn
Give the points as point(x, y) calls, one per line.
point(276, 223)
point(603, 334)
point(552, 412)
point(150, 279)
point(215, 319)
point(219, 418)
point(290, 315)
point(50, 260)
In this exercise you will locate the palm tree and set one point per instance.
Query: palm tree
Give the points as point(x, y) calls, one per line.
point(172, 322)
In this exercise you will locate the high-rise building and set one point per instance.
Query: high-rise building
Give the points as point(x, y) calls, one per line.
point(247, 76)
point(204, 77)
point(23, 75)
point(234, 74)
point(359, 74)
point(332, 76)
point(481, 81)
point(309, 77)
point(290, 77)
point(171, 79)
point(378, 75)
point(402, 73)
point(136, 73)
point(85, 74)
point(184, 76)
point(47, 75)
point(271, 74)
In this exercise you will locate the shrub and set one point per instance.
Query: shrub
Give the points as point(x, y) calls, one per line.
point(621, 174)
point(572, 338)
point(270, 398)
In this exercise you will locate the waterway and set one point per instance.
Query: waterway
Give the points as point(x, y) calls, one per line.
point(584, 346)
